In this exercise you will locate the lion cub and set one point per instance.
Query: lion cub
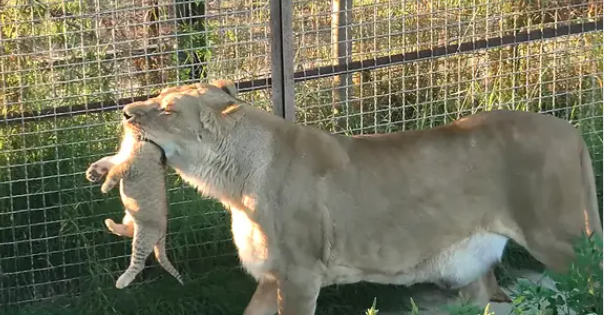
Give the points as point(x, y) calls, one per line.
point(143, 194)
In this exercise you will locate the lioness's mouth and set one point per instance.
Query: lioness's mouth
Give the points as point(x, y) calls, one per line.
point(136, 130)
point(163, 157)
point(163, 153)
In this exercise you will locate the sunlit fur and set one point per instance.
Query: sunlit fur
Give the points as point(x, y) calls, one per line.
point(311, 209)
point(143, 194)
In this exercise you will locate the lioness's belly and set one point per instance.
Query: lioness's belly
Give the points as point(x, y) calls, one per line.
point(456, 266)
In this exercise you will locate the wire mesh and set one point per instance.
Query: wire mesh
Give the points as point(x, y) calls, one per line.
point(73, 62)
point(560, 76)
point(69, 55)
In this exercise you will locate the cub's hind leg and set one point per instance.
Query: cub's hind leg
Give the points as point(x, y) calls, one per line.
point(126, 229)
point(142, 246)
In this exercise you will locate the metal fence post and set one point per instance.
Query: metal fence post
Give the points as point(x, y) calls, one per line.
point(341, 49)
point(190, 15)
point(282, 62)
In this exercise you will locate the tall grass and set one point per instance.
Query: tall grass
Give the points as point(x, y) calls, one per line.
point(56, 256)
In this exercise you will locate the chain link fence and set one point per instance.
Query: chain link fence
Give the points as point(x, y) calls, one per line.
point(346, 66)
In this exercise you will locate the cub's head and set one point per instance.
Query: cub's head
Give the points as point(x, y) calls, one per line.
point(183, 120)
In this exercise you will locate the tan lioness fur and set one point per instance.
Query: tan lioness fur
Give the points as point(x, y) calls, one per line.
point(310, 209)
point(143, 193)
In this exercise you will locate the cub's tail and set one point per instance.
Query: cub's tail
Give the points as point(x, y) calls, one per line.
point(162, 258)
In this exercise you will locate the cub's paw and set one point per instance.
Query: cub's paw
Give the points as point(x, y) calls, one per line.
point(109, 183)
point(124, 280)
point(119, 229)
point(110, 224)
point(97, 170)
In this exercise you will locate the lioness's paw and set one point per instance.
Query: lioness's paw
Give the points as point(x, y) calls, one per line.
point(97, 170)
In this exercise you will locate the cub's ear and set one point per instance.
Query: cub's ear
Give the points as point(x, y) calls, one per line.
point(226, 85)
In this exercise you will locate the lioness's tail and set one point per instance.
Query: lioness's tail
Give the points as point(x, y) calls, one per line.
point(591, 213)
point(162, 258)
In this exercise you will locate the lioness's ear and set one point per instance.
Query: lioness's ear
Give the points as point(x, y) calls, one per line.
point(231, 109)
point(226, 85)
point(179, 89)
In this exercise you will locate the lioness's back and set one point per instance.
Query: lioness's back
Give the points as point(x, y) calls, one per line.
point(489, 140)
point(491, 169)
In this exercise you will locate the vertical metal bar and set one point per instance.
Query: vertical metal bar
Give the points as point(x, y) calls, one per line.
point(282, 63)
point(190, 17)
point(341, 48)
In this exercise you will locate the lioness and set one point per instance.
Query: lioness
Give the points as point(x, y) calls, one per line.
point(143, 193)
point(310, 209)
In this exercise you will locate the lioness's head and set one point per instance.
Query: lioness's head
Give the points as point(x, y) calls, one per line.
point(184, 117)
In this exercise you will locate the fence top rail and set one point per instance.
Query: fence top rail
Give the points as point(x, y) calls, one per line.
point(557, 30)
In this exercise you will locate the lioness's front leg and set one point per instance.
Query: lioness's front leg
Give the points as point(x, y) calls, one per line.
point(264, 300)
point(297, 292)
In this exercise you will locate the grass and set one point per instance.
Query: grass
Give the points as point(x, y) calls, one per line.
point(578, 287)
point(56, 256)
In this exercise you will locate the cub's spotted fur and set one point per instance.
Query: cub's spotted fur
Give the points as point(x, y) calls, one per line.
point(143, 194)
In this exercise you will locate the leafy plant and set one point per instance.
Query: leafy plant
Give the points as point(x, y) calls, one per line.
point(577, 291)
point(580, 288)
point(372, 310)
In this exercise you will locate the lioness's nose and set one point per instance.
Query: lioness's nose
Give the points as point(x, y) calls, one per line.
point(139, 109)
point(132, 110)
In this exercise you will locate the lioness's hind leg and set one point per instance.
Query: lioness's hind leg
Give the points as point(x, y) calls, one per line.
point(264, 300)
point(555, 252)
point(484, 290)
